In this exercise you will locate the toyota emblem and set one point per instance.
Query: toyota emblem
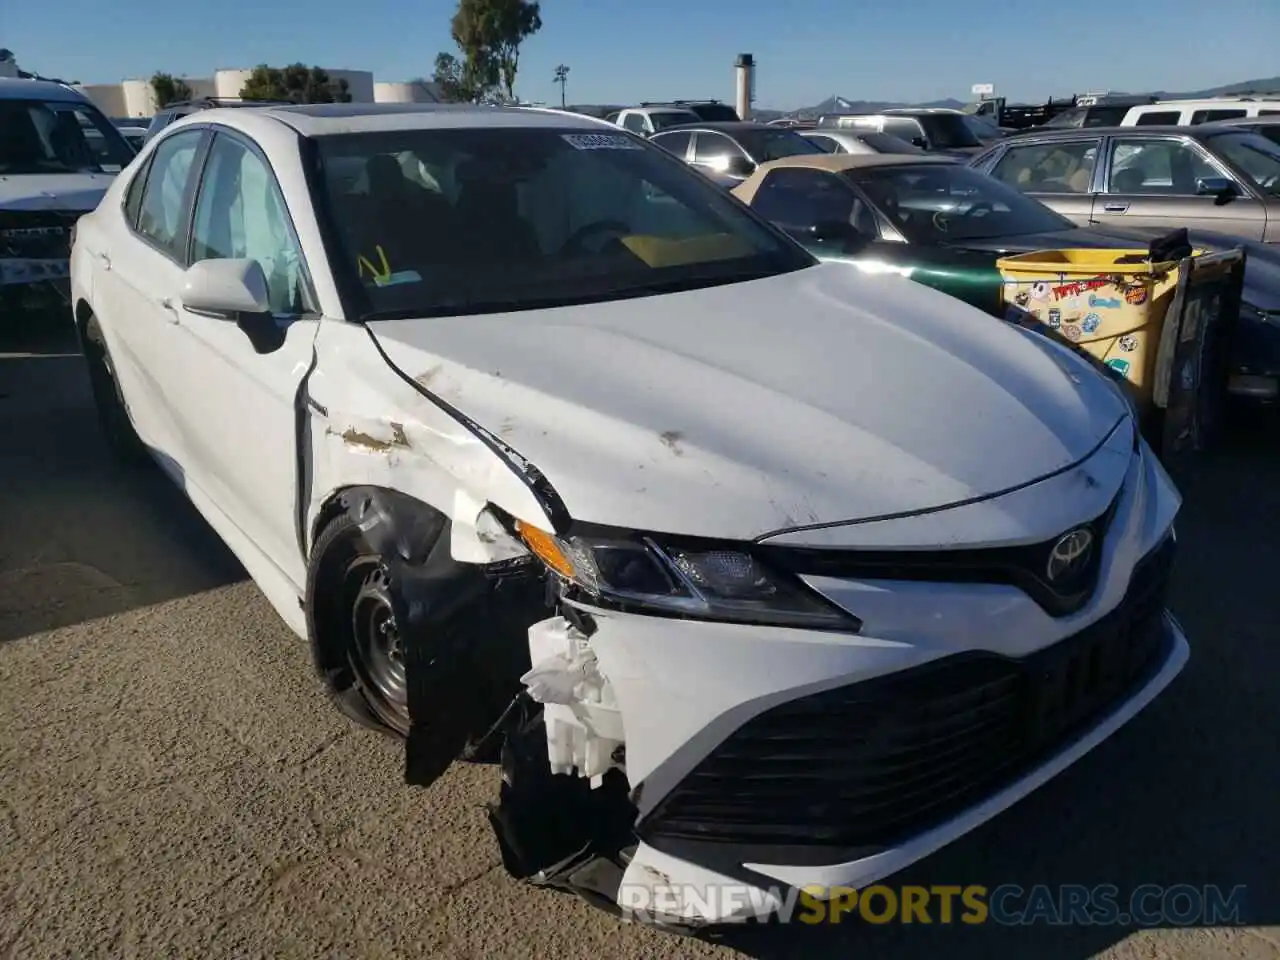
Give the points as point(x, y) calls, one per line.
point(1069, 555)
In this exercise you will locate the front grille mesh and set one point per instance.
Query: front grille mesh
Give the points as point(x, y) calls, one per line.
point(867, 765)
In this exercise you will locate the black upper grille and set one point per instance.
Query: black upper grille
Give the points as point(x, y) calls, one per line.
point(1025, 567)
point(865, 766)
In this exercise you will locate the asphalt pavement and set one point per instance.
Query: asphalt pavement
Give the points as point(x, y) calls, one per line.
point(174, 783)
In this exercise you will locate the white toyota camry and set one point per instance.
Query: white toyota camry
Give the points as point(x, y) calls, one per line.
point(758, 571)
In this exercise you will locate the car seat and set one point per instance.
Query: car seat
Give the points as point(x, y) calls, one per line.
point(488, 211)
point(1129, 180)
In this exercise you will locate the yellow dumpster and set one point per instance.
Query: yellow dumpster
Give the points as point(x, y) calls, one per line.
point(1114, 310)
point(1163, 325)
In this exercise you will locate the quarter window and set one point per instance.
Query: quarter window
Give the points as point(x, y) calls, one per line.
point(133, 198)
point(1208, 116)
point(241, 214)
point(164, 197)
point(1159, 118)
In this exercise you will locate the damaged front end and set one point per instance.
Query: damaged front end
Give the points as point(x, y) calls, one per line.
point(35, 249)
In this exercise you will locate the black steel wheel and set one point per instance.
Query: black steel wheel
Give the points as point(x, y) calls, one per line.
point(375, 644)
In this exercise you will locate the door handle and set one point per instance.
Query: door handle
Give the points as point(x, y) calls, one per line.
point(1115, 207)
point(170, 305)
point(104, 260)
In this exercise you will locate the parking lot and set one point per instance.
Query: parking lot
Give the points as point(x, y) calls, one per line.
point(176, 784)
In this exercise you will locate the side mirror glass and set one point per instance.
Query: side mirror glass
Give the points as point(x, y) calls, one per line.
point(1220, 187)
point(226, 289)
point(920, 142)
point(739, 166)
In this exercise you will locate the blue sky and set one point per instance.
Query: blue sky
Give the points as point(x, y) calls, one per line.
point(807, 50)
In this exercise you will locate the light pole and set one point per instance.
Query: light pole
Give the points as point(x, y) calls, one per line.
point(562, 78)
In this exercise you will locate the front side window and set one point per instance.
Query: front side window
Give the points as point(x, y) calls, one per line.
point(1049, 167)
point(904, 128)
point(530, 218)
point(1156, 167)
point(661, 119)
point(825, 144)
point(241, 214)
point(942, 202)
point(634, 122)
point(164, 196)
point(58, 136)
point(946, 131)
point(714, 149)
point(1256, 156)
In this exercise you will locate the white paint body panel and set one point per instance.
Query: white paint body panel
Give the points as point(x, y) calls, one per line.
point(821, 408)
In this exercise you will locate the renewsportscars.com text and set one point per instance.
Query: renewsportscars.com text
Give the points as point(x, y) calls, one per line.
point(1149, 905)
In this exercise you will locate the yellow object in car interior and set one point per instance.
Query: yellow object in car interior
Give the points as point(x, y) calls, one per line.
point(1113, 310)
point(377, 273)
point(658, 252)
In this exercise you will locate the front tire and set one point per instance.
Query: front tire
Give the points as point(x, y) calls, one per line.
point(125, 445)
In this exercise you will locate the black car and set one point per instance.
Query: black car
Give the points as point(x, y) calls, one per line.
point(732, 150)
point(175, 111)
point(945, 225)
point(936, 130)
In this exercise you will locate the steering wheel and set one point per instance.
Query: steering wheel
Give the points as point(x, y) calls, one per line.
point(575, 243)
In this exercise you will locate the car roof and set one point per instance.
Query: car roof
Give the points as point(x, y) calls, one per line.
point(327, 119)
point(839, 162)
point(721, 126)
point(1199, 131)
point(13, 88)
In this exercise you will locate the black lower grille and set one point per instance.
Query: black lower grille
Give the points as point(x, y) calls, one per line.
point(870, 764)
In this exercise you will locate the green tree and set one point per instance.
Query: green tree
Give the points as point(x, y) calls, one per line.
point(169, 89)
point(456, 81)
point(490, 32)
point(296, 83)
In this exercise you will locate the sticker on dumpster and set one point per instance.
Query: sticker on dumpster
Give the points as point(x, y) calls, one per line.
point(1055, 318)
point(1071, 331)
point(1075, 288)
point(1041, 290)
point(1128, 343)
point(1119, 366)
point(1136, 296)
point(1104, 303)
point(1090, 323)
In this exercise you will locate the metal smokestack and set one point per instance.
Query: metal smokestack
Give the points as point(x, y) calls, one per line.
point(745, 75)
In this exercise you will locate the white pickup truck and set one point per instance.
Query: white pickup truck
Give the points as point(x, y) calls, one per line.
point(647, 121)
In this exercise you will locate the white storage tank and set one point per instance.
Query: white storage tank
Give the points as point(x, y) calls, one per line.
point(408, 91)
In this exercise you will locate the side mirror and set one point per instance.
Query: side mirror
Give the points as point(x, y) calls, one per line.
point(226, 289)
point(836, 233)
point(739, 166)
point(920, 142)
point(1220, 187)
point(234, 290)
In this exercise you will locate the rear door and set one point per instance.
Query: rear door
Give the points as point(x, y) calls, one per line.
point(1150, 183)
point(1061, 174)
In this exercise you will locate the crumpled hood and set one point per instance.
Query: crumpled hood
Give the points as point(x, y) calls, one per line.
point(74, 192)
point(740, 410)
point(1262, 264)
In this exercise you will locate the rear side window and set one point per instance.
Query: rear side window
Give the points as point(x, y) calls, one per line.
point(1269, 113)
point(634, 122)
point(1159, 118)
point(676, 142)
point(1208, 116)
point(165, 195)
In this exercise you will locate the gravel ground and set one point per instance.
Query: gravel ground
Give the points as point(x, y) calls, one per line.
point(173, 782)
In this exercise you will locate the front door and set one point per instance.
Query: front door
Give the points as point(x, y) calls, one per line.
point(1151, 185)
point(234, 397)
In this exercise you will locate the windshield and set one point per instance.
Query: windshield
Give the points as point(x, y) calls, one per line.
point(669, 118)
point(948, 131)
point(463, 221)
point(774, 143)
point(1257, 157)
point(58, 136)
point(943, 202)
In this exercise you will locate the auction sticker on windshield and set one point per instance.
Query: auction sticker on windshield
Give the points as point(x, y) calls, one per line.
point(600, 141)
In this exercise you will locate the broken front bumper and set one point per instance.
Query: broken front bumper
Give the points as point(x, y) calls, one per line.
point(771, 757)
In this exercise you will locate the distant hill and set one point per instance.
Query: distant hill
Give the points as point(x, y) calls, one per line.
point(837, 104)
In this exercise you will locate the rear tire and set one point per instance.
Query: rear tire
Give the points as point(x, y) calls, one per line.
point(113, 415)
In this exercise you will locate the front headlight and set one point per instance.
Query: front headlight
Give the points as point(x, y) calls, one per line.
point(665, 577)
